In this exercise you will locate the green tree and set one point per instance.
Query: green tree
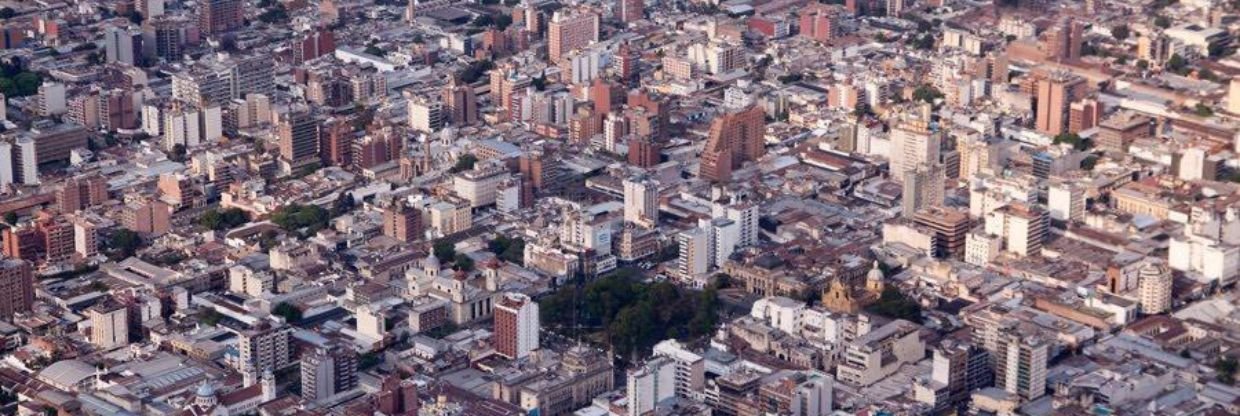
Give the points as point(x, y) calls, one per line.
point(1120, 32)
point(1202, 110)
point(464, 163)
point(1143, 64)
point(208, 316)
point(894, 304)
point(1177, 64)
point(10, 218)
point(927, 93)
point(123, 243)
point(444, 250)
point(7, 13)
point(1073, 139)
point(290, 312)
point(375, 50)
point(462, 262)
point(1162, 21)
point(483, 20)
point(178, 153)
point(214, 219)
point(1089, 162)
point(303, 219)
point(1225, 370)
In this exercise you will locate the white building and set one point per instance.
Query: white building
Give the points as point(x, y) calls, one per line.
point(1022, 227)
point(1198, 253)
point(695, 255)
point(6, 164)
point(109, 326)
point(813, 397)
point(880, 353)
point(641, 202)
point(425, 115)
point(1154, 289)
point(779, 312)
point(1065, 202)
point(690, 367)
point(981, 248)
point(653, 382)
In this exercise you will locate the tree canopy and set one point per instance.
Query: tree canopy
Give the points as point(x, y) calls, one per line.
point(630, 314)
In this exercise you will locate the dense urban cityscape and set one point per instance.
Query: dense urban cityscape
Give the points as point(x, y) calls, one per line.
point(619, 208)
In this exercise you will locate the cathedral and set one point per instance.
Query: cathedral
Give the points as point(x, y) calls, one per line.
point(840, 297)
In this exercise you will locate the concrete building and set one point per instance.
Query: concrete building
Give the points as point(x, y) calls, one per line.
point(1055, 92)
point(328, 371)
point(425, 115)
point(570, 30)
point(690, 368)
point(1022, 227)
point(913, 144)
point(16, 287)
point(641, 202)
point(516, 330)
point(1065, 201)
point(402, 222)
point(879, 353)
point(923, 188)
point(1154, 288)
point(649, 384)
point(734, 138)
point(109, 326)
point(1020, 364)
point(263, 347)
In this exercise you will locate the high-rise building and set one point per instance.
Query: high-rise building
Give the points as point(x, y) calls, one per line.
point(328, 371)
point(957, 370)
point(516, 326)
point(152, 217)
point(109, 325)
point(631, 10)
point(913, 144)
point(402, 222)
point(652, 382)
point(52, 99)
point(397, 397)
point(735, 138)
point(219, 16)
point(1020, 364)
point(81, 192)
point(1023, 227)
point(7, 164)
point(695, 255)
point(16, 287)
point(690, 367)
point(122, 45)
point(569, 30)
point(1054, 94)
point(1084, 115)
point(820, 23)
point(641, 202)
point(950, 227)
point(923, 188)
point(263, 347)
point(1154, 287)
point(643, 151)
point(460, 103)
point(425, 115)
point(299, 138)
point(1065, 201)
point(1062, 41)
point(220, 78)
